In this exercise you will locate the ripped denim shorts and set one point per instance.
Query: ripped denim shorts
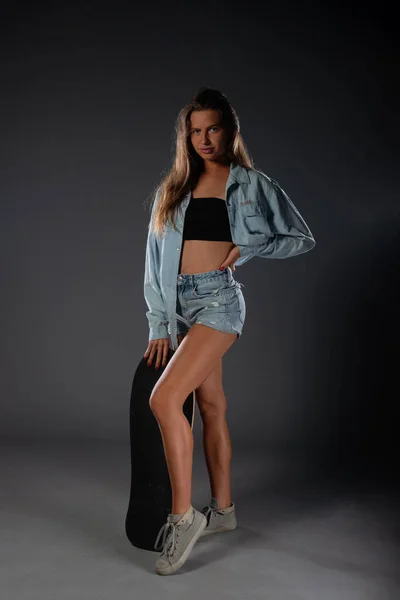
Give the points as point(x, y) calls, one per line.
point(213, 298)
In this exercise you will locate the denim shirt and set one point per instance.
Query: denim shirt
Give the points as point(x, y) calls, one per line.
point(263, 220)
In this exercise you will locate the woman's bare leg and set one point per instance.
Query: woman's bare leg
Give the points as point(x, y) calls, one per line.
point(212, 404)
point(211, 400)
point(193, 361)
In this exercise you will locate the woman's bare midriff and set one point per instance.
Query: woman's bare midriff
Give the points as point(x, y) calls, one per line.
point(203, 255)
point(198, 256)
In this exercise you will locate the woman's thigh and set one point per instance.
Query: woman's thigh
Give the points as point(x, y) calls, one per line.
point(210, 393)
point(196, 357)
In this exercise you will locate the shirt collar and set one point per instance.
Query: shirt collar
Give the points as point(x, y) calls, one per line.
point(239, 173)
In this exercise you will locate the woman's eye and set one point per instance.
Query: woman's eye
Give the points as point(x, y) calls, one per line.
point(197, 131)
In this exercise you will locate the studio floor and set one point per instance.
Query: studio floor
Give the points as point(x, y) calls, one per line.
point(63, 506)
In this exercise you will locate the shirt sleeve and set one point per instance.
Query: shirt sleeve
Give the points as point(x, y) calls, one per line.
point(287, 232)
point(156, 314)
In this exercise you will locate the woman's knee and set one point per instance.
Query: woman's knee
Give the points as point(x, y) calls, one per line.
point(212, 407)
point(163, 399)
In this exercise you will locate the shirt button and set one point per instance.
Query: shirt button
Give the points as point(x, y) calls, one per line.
point(178, 248)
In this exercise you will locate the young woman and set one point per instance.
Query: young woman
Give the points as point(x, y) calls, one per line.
point(212, 212)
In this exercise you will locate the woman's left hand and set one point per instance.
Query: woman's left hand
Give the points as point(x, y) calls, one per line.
point(230, 260)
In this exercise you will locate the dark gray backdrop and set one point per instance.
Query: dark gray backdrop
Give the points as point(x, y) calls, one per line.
point(88, 108)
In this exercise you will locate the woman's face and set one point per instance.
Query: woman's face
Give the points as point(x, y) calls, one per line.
point(209, 138)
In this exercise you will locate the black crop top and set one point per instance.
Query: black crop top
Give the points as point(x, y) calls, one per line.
point(207, 219)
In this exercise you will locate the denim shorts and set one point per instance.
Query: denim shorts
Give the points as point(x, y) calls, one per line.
point(213, 298)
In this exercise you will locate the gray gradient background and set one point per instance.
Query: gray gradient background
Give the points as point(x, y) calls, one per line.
point(88, 105)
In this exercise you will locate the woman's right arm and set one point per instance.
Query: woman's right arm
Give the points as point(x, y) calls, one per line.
point(156, 315)
point(158, 345)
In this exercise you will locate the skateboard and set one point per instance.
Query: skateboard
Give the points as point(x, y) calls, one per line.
point(150, 499)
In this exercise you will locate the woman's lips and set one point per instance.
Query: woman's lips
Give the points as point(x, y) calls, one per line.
point(207, 150)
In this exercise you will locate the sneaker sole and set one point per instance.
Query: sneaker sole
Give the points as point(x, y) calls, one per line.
point(220, 530)
point(173, 568)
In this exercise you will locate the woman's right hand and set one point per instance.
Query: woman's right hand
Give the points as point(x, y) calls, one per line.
point(152, 348)
point(159, 349)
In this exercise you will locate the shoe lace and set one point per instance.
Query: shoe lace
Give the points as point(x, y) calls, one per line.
point(209, 512)
point(168, 532)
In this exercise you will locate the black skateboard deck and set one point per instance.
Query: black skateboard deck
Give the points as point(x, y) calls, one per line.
point(150, 499)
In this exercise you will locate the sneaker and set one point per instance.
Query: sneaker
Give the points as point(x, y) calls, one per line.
point(218, 520)
point(178, 539)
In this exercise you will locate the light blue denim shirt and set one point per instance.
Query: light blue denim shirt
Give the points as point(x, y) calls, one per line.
point(263, 220)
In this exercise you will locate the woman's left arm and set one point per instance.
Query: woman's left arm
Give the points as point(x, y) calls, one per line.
point(289, 233)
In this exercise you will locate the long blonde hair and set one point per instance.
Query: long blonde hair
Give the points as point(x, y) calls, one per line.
point(187, 164)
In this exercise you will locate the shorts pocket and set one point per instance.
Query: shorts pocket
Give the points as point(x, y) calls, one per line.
point(207, 289)
point(231, 291)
